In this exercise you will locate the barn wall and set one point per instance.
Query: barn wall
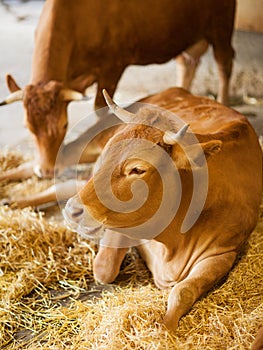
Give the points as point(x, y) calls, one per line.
point(249, 15)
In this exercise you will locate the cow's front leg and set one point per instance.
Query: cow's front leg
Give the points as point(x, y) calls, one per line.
point(23, 171)
point(201, 279)
point(57, 192)
point(108, 80)
point(112, 250)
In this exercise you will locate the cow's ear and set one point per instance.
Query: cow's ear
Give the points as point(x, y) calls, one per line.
point(11, 83)
point(195, 156)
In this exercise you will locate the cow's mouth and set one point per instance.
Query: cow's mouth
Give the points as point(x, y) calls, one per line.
point(90, 232)
point(94, 233)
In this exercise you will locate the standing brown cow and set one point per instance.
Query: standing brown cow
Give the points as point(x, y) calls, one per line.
point(84, 41)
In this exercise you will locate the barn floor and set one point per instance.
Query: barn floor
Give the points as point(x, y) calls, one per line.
point(48, 299)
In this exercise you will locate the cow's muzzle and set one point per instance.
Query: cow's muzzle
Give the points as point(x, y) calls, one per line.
point(80, 220)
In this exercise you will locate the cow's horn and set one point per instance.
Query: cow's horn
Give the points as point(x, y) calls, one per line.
point(71, 95)
point(171, 138)
point(15, 96)
point(121, 113)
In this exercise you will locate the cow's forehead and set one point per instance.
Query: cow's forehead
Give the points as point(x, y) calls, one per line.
point(138, 131)
point(134, 141)
point(43, 109)
point(41, 99)
point(158, 118)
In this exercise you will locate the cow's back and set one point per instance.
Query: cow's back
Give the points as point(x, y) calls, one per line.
point(203, 114)
point(84, 35)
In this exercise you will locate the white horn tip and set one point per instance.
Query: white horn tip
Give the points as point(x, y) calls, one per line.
point(121, 113)
point(108, 100)
point(13, 97)
point(170, 138)
point(183, 130)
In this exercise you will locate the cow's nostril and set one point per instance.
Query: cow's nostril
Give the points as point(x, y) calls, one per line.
point(77, 213)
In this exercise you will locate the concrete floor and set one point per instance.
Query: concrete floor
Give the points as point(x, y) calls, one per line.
point(17, 24)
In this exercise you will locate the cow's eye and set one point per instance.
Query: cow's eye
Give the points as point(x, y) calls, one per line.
point(65, 126)
point(136, 171)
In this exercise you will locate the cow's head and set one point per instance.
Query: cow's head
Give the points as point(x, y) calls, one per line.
point(45, 108)
point(136, 185)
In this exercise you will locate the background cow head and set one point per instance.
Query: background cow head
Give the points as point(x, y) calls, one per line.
point(45, 108)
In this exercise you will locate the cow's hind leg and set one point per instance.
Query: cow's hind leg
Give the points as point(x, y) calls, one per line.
point(220, 36)
point(187, 63)
point(201, 279)
point(224, 59)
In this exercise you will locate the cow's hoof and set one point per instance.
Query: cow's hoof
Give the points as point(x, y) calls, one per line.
point(170, 324)
point(104, 277)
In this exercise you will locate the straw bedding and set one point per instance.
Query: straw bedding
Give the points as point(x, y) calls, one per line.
point(49, 300)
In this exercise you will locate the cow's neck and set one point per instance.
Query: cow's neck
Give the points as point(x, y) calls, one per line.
point(180, 227)
point(52, 49)
point(48, 65)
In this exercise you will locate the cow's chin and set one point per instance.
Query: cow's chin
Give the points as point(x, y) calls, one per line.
point(91, 233)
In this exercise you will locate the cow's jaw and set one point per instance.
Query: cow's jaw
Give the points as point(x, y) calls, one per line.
point(80, 221)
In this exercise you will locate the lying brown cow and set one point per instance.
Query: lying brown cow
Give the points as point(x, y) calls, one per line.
point(185, 187)
point(87, 41)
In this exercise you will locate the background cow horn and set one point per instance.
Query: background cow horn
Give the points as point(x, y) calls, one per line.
point(171, 138)
point(15, 96)
point(121, 113)
point(71, 95)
